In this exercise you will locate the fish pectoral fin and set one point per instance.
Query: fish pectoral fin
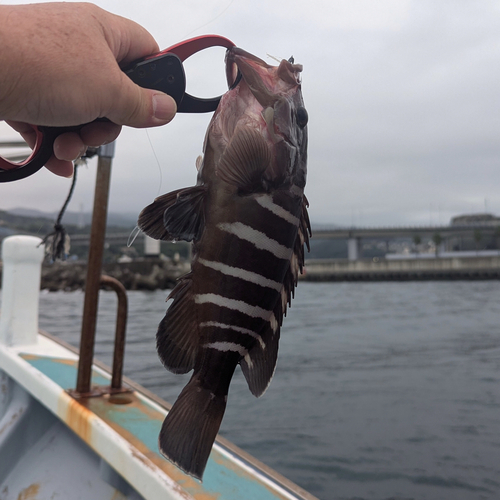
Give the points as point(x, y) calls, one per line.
point(177, 337)
point(259, 364)
point(185, 219)
point(151, 218)
point(245, 159)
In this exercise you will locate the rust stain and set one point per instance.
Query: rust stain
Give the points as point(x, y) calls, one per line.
point(29, 493)
point(14, 417)
point(79, 413)
point(33, 357)
point(121, 403)
point(76, 416)
point(29, 357)
point(65, 361)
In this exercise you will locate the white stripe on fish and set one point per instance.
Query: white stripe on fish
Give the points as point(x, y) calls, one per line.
point(259, 239)
point(235, 328)
point(274, 323)
point(235, 305)
point(227, 346)
point(243, 274)
point(266, 201)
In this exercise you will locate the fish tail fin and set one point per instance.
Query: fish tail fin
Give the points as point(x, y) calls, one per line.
point(189, 430)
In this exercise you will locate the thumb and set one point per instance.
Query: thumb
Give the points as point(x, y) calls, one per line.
point(139, 107)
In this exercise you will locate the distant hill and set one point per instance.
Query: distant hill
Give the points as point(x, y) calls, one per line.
point(12, 223)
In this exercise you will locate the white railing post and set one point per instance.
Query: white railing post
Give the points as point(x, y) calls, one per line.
point(22, 261)
point(151, 247)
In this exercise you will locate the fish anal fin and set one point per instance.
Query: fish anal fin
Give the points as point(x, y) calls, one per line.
point(259, 364)
point(177, 337)
point(245, 159)
point(185, 219)
point(189, 430)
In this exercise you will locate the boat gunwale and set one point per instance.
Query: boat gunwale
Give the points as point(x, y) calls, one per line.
point(222, 442)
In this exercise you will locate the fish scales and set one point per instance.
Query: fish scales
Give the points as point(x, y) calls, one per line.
point(247, 218)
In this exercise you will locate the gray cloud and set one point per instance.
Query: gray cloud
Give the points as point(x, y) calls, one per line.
point(402, 98)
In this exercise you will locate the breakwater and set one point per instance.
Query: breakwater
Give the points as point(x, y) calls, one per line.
point(144, 274)
point(456, 268)
point(156, 273)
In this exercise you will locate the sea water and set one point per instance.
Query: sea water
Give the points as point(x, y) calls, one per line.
point(382, 390)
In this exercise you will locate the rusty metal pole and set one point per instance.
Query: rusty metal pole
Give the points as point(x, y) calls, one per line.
point(120, 332)
point(94, 266)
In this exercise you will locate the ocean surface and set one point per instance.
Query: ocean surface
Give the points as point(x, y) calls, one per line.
point(382, 391)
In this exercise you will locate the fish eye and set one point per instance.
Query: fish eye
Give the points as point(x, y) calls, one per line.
point(302, 117)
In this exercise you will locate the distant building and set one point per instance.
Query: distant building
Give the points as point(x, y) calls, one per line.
point(475, 219)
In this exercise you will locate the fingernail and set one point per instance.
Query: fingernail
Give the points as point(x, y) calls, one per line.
point(82, 152)
point(164, 107)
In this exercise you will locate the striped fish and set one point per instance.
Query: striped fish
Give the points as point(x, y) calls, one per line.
point(248, 221)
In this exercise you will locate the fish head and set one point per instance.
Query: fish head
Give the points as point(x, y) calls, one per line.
point(264, 104)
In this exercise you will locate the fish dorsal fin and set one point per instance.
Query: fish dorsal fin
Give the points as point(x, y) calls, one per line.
point(151, 218)
point(178, 334)
point(245, 159)
point(185, 219)
point(259, 364)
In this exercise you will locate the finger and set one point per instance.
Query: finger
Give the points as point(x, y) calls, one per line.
point(26, 131)
point(98, 133)
point(138, 107)
point(60, 167)
point(133, 41)
point(69, 146)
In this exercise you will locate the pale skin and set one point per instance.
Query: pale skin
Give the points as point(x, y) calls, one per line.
point(60, 66)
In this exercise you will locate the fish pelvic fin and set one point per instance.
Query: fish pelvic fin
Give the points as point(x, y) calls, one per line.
point(151, 218)
point(190, 428)
point(185, 219)
point(178, 215)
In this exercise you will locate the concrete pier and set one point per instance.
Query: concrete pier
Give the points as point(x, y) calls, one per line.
point(456, 268)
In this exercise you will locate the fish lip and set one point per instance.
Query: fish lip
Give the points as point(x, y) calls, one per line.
point(259, 76)
point(240, 64)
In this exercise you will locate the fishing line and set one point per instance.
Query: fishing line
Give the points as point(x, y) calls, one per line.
point(157, 162)
point(211, 21)
point(136, 231)
point(272, 57)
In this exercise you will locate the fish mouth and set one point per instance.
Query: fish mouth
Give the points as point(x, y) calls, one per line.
point(264, 81)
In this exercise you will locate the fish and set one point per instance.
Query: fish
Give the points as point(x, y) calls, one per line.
point(248, 221)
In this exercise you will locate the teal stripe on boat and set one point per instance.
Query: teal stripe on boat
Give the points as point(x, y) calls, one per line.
point(61, 371)
point(223, 478)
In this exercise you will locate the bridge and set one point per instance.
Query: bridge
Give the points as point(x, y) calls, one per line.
point(449, 235)
point(446, 236)
point(354, 235)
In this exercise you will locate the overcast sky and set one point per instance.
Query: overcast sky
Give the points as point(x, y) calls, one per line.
point(403, 99)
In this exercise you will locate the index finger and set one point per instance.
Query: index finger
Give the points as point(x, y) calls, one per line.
point(130, 41)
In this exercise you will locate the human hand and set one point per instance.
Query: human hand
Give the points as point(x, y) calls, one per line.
point(61, 67)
